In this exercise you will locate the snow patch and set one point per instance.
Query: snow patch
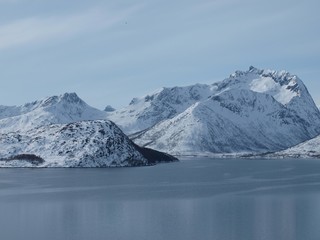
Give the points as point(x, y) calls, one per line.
point(263, 84)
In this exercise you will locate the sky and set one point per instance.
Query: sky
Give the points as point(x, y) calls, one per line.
point(111, 51)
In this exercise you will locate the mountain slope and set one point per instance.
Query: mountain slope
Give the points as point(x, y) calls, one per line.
point(65, 108)
point(307, 149)
point(98, 143)
point(251, 111)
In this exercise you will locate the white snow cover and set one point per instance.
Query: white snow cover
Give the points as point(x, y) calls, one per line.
point(97, 143)
point(308, 149)
point(163, 104)
point(251, 111)
point(65, 108)
point(268, 85)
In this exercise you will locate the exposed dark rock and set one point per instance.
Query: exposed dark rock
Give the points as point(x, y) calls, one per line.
point(31, 158)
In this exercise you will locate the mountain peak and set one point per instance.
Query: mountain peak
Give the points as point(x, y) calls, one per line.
point(53, 100)
point(64, 108)
point(109, 108)
point(282, 85)
point(71, 98)
point(276, 75)
point(253, 69)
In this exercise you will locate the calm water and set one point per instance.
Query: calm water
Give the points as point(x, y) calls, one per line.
point(193, 199)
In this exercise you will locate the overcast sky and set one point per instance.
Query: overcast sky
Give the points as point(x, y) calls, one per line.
point(111, 51)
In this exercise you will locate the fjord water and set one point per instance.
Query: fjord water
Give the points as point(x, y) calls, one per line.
point(221, 199)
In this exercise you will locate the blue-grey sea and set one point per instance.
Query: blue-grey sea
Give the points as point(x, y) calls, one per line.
point(205, 199)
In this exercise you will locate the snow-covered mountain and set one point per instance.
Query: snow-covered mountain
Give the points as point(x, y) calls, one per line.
point(307, 149)
point(96, 143)
point(65, 108)
point(251, 111)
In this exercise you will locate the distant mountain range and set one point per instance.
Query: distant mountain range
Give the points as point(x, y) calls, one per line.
point(252, 111)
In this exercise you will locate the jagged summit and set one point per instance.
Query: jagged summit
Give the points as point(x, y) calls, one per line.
point(71, 97)
point(276, 75)
point(282, 85)
point(66, 98)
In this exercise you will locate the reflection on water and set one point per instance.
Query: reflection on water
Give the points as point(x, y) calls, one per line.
point(203, 199)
